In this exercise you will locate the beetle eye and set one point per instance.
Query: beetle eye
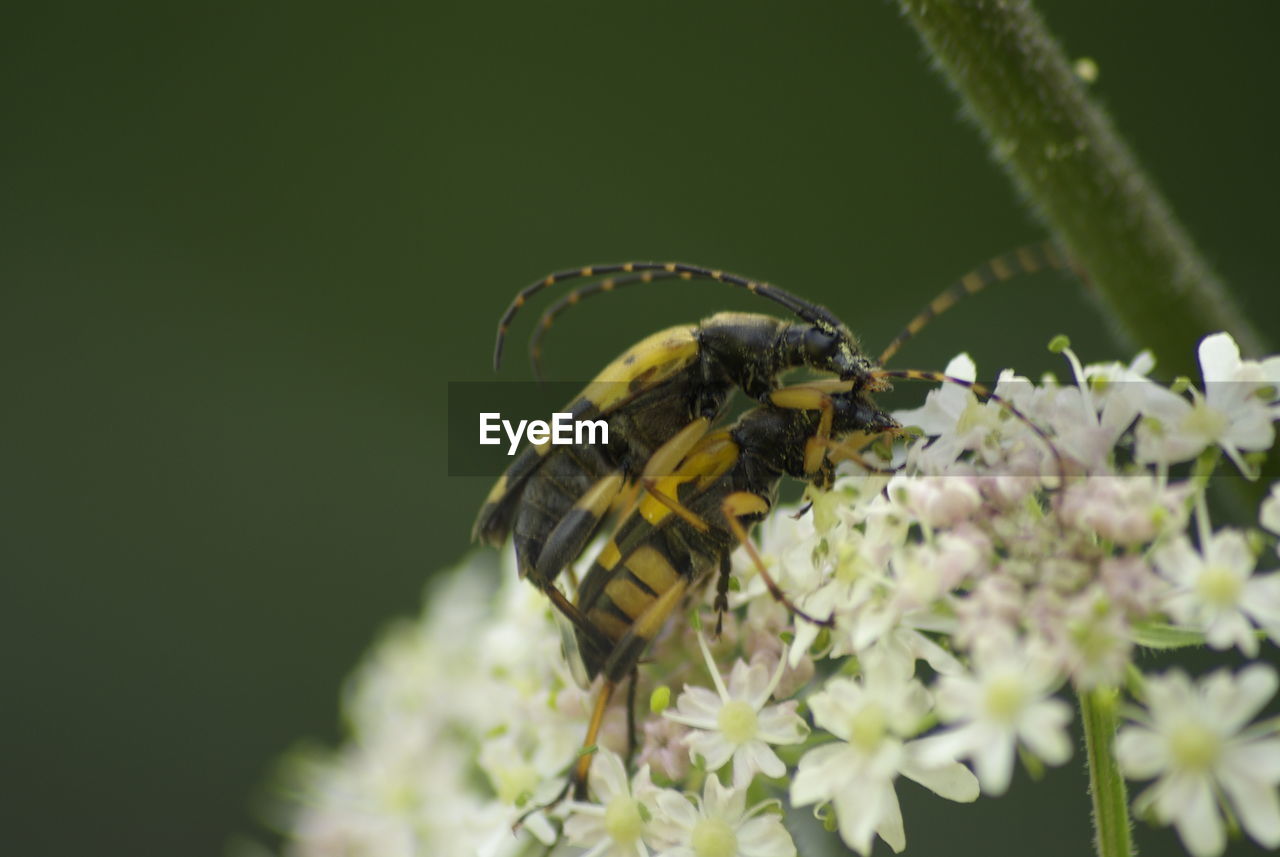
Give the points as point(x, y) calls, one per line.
point(819, 345)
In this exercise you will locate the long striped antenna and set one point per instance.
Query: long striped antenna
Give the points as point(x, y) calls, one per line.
point(983, 392)
point(608, 284)
point(810, 312)
point(1031, 259)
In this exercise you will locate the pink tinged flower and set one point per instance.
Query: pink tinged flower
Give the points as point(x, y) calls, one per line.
point(1125, 510)
point(662, 748)
point(961, 552)
point(1007, 703)
point(1216, 591)
point(1195, 741)
point(990, 616)
point(733, 722)
point(719, 825)
point(1132, 584)
point(872, 718)
point(794, 678)
point(941, 501)
point(617, 824)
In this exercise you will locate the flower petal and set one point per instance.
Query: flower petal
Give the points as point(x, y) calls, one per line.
point(953, 782)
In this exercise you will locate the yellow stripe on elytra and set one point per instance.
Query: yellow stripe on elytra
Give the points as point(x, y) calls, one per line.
point(657, 357)
point(600, 496)
point(648, 625)
point(610, 624)
point(653, 568)
point(628, 597)
point(498, 490)
point(609, 556)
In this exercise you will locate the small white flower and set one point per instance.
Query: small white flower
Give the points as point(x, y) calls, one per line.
point(734, 723)
point(954, 416)
point(1218, 593)
point(1235, 412)
point(1195, 740)
point(859, 558)
point(872, 719)
point(1129, 384)
point(1008, 702)
point(1089, 418)
point(616, 825)
point(1270, 512)
point(1097, 647)
point(944, 406)
point(719, 825)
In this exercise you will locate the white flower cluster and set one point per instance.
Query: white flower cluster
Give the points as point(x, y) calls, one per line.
point(997, 569)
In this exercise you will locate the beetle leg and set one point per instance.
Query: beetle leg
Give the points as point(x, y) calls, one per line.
point(722, 591)
point(622, 661)
point(631, 713)
point(664, 460)
point(654, 489)
point(741, 504)
point(813, 396)
point(850, 448)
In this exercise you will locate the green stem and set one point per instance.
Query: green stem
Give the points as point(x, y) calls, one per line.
point(1067, 160)
point(1111, 825)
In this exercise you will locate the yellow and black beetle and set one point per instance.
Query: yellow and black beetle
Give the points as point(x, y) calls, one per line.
point(663, 394)
point(660, 398)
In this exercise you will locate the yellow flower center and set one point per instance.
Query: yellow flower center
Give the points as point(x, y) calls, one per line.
point(971, 417)
point(1194, 746)
point(515, 781)
point(738, 722)
point(622, 819)
point(713, 837)
point(1005, 697)
point(1219, 586)
point(1094, 641)
point(1204, 421)
point(868, 727)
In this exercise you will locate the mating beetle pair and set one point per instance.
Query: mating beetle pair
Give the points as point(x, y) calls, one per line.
point(702, 489)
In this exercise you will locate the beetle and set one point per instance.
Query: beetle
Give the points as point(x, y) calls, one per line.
point(661, 396)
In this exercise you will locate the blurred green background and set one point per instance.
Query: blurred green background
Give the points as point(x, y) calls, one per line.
point(244, 246)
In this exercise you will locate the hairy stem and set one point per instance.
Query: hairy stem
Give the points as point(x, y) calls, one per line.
point(1111, 825)
point(1067, 160)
